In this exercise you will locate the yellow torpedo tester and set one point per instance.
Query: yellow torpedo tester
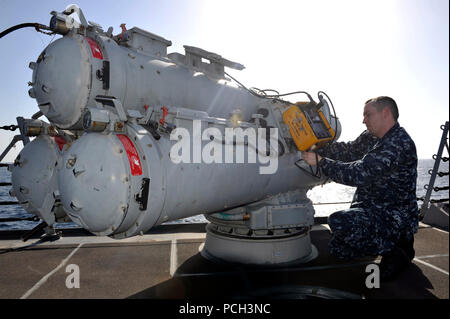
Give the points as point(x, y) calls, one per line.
point(307, 125)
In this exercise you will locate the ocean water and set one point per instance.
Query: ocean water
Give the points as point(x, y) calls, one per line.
point(320, 196)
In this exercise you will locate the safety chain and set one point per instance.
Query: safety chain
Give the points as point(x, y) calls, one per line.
point(437, 189)
point(9, 127)
point(444, 159)
point(440, 174)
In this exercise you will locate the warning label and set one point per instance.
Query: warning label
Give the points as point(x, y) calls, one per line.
point(96, 52)
point(133, 157)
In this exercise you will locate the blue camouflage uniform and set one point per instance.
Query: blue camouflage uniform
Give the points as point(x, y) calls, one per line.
point(384, 208)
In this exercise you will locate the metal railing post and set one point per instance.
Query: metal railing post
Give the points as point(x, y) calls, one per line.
point(429, 187)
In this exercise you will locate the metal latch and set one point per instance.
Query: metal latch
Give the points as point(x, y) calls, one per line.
point(142, 197)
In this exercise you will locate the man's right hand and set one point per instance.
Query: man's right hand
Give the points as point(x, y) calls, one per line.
point(311, 158)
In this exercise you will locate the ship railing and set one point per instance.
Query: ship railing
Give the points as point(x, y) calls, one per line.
point(25, 140)
point(438, 158)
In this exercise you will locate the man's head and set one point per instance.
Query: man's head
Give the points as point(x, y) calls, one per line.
point(380, 115)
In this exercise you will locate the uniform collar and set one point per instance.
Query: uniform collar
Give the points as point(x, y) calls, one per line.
point(391, 131)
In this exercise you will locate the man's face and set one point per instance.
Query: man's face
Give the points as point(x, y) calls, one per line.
point(373, 119)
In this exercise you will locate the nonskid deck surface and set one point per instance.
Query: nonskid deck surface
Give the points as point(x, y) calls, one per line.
point(165, 263)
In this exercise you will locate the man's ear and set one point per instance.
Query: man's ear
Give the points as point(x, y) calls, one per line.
point(386, 113)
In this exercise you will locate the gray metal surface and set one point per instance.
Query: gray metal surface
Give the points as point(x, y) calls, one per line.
point(296, 248)
point(100, 184)
point(95, 190)
point(62, 80)
point(34, 177)
point(137, 78)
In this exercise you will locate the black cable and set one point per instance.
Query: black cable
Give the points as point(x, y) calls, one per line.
point(276, 97)
point(258, 90)
point(242, 85)
point(335, 123)
point(335, 116)
point(270, 90)
point(16, 27)
point(290, 93)
point(317, 174)
point(37, 26)
point(265, 96)
point(263, 92)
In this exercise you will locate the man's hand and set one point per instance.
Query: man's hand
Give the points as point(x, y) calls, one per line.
point(310, 158)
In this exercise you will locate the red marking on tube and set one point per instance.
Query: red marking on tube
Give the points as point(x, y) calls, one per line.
point(133, 156)
point(165, 112)
point(96, 52)
point(60, 141)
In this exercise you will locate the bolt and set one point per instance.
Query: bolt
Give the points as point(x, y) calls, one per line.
point(71, 162)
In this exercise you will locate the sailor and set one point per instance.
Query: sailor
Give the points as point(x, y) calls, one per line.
point(382, 164)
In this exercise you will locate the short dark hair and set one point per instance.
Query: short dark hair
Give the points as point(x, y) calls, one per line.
point(385, 101)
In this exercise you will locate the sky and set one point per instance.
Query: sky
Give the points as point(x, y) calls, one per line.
point(351, 49)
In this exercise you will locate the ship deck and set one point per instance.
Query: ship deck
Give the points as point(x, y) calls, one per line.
point(165, 263)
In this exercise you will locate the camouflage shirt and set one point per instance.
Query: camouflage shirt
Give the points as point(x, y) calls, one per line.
point(384, 172)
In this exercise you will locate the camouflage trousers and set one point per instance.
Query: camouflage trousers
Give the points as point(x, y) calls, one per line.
point(357, 232)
